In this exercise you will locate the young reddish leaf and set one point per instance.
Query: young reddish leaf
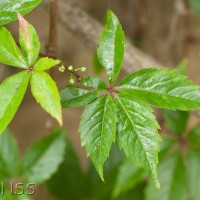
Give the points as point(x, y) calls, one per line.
point(29, 40)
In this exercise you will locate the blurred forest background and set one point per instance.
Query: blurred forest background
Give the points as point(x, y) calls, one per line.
point(168, 30)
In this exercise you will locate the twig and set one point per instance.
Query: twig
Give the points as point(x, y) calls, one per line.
point(51, 47)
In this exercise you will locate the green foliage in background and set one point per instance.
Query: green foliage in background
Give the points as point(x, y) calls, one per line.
point(195, 7)
point(37, 165)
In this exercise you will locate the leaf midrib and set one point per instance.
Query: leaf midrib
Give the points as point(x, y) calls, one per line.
point(153, 92)
point(134, 130)
point(19, 88)
point(102, 125)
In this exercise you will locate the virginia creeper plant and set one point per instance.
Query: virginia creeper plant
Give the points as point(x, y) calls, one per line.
point(114, 113)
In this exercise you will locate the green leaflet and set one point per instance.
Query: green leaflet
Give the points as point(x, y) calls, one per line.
point(176, 120)
point(172, 176)
point(193, 175)
point(9, 52)
point(44, 157)
point(12, 91)
point(10, 8)
point(128, 177)
point(8, 156)
point(74, 97)
point(98, 129)
point(29, 41)
point(45, 63)
point(194, 136)
point(95, 82)
point(162, 88)
point(46, 93)
point(137, 133)
point(111, 47)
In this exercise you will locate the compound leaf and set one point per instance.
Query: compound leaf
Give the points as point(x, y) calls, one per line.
point(10, 8)
point(12, 91)
point(172, 176)
point(9, 52)
point(98, 129)
point(46, 93)
point(162, 88)
point(111, 47)
point(45, 63)
point(74, 97)
point(29, 41)
point(137, 133)
point(44, 157)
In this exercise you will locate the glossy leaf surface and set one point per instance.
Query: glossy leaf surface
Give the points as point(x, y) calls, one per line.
point(98, 130)
point(162, 88)
point(137, 133)
point(111, 47)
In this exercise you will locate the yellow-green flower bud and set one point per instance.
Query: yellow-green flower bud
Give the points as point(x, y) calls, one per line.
point(83, 69)
point(71, 81)
point(62, 68)
point(70, 68)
